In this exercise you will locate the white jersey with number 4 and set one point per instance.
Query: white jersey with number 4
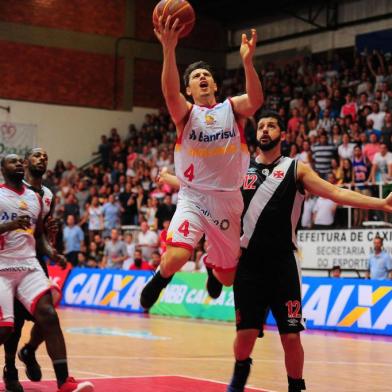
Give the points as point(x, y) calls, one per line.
point(211, 152)
point(18, 245)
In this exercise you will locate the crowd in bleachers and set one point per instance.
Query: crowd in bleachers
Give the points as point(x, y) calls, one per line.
point(339, 121)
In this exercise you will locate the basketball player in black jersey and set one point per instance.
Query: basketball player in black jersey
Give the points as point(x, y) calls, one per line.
point(36, 161)
point(268, 275)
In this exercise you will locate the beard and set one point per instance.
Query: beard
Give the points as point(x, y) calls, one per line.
point(268, 146)
point(35, 172)
point(16, 177)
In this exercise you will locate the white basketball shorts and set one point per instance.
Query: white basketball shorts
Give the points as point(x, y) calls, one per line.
point(215, 214)
point(28, 286)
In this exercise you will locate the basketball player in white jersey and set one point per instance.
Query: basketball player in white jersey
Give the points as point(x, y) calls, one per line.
point(36, 161)
point(211, 158)
point(20, 272)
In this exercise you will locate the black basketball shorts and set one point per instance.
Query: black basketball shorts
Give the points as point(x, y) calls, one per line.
point(276, 287)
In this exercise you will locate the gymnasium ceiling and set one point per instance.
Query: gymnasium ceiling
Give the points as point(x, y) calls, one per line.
point(238, 13)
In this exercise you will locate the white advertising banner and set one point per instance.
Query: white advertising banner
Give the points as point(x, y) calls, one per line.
point(17, 138)
point(321, 249)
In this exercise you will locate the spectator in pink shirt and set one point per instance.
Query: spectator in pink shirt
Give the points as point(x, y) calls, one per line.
point(372, 148)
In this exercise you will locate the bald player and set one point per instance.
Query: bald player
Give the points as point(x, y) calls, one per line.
point(21, 232)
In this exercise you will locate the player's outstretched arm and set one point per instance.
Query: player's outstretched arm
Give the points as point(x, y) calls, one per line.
point(164, 177)
point(177, 104)
point(319, 187)
point(247, 104)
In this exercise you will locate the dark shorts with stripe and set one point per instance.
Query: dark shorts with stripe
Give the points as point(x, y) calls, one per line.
point(276, 287)
point(20, 312)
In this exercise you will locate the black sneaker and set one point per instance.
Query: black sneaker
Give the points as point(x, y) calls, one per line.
point(214, 287)
point(32, 368)
point(152, 289)
point(11, 380)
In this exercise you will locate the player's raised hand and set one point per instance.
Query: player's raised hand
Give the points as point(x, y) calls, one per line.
point(248, 46)
point(168, 32)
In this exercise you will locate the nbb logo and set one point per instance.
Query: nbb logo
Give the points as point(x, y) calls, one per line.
point(351, 307)
point(105, 289)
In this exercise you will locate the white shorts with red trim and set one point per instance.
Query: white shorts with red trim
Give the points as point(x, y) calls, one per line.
point(27, 286)
point(215, 214)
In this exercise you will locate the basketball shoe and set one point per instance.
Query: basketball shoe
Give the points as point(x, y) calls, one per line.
point(32, 368)
point(11, 380)
point(71, 385)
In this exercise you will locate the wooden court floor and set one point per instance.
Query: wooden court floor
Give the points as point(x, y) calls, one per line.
point(105, 344)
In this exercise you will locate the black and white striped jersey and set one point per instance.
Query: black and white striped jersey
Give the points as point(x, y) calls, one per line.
point(272, 206)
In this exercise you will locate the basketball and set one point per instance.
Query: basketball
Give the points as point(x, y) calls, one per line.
point(180, 9)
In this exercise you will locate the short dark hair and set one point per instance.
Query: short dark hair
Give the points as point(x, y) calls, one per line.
point(197, 65)
point(271, 113)
point(336, 267)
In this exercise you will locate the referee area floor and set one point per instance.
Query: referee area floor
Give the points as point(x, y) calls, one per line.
point(120, 352)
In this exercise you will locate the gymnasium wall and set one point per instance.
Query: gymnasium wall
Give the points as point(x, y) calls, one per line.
point(71, 133)
point(63, 52)
point(56, 52)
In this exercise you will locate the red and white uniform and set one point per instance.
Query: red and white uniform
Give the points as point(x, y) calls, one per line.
point(20, 272)
point(211, 158)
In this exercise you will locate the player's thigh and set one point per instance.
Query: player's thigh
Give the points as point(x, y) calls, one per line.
point(7, 282)
point(226, 277)
point(251, 303)
point(186, 228)
point(32, 288)
point(286, 302)
point(223, 230)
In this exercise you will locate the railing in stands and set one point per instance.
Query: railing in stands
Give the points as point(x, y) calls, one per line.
point(328, 271)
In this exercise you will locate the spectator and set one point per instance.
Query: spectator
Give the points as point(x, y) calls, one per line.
point(324, 210)
point(165, 211)
point(104, 151)
point(381, 170)
point(111, 214)
point(346, 149)
point(336, 271)
point(322, 154)
point(94, 217)
point(73, 237)
point(376, 116)
point(139, 263)
point(71, 207)
point(131, 247)
point(380, 263)
point(148, 241)
point(349, 108)
point(155, 259)
point(115, 252)
point(370, 149)
point(129, 206)
point(307, 210)
point(94, 256)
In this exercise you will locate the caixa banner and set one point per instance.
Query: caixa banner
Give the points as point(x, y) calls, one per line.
point(105, 289)
point(348, 305)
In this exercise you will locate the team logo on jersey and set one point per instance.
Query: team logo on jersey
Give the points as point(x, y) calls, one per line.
point(265, 172)
point(23, 205)
point(279, 174)
point(210, 120)
point(47, 201)
point(206, 138)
